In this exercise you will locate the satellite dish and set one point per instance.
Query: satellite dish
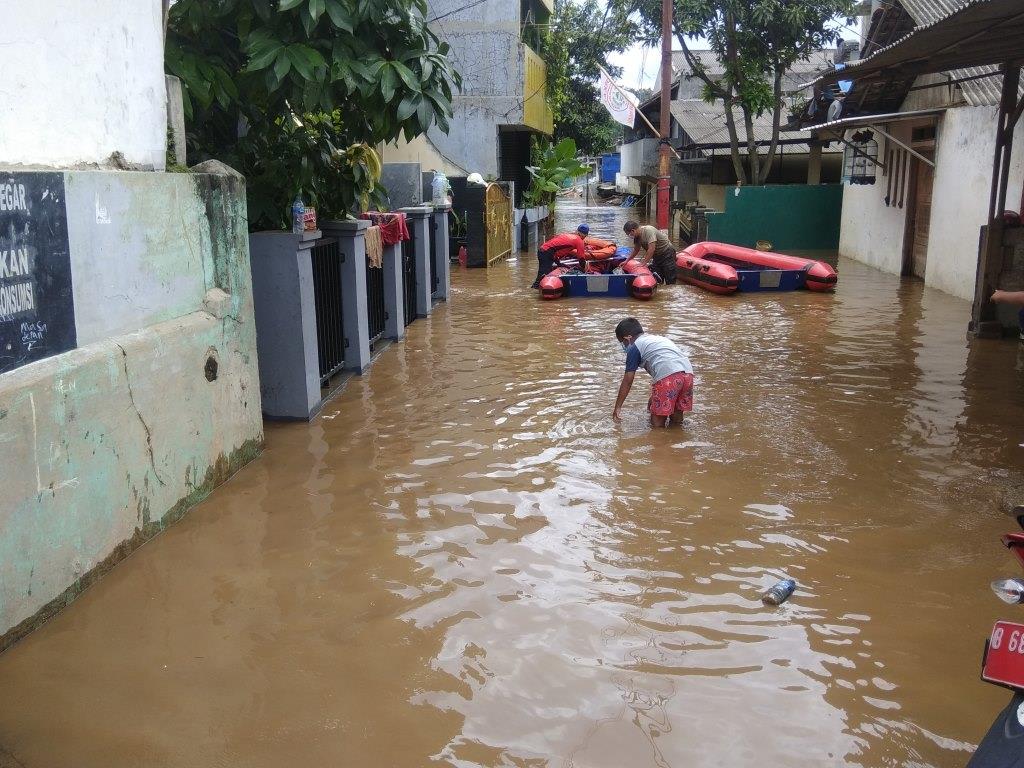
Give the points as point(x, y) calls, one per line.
point(835, 111)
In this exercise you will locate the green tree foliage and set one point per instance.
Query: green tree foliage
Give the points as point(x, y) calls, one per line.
point(294, 93)
point(583, 33)
point(556, 164)
point(755, 42)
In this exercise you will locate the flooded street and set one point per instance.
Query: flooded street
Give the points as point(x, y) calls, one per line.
point(465, 562)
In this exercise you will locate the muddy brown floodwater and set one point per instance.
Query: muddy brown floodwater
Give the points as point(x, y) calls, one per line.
point(465, 562)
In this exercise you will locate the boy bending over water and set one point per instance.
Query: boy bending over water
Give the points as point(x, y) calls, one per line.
point(670, 369)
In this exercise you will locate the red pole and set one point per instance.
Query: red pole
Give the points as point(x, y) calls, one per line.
point(665, 158)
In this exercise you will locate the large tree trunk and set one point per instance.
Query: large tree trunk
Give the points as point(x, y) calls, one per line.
point(752, 156)
point(732, 68)
point(776, 119)
point(734, 141)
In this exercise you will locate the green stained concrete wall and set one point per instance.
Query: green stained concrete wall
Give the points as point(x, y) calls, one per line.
point(794, 217)
point(106, 445)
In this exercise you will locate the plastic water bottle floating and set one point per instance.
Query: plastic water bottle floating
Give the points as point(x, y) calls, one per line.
point(779, 593)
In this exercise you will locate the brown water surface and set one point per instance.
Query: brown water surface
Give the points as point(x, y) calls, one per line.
point(465, 562)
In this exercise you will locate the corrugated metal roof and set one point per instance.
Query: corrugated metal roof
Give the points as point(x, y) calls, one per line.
point(989, 30)
point(977, 93)
point(704, 123)
point(819, 60)
point(892, 117)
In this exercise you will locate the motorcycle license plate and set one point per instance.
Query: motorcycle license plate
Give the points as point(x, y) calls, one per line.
point(1004, 655)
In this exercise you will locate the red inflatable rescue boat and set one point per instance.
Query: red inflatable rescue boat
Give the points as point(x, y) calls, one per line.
point(636, 279)
point(724, 268)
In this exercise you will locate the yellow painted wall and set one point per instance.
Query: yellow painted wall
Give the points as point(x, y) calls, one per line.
point(420, 150)
point(536, 112)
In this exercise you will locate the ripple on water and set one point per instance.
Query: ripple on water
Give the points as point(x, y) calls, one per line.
point(469, 562)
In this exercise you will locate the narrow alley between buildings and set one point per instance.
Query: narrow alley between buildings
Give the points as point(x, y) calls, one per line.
point(464, 561)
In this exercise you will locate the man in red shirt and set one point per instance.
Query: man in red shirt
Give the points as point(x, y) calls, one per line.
point(560, 247)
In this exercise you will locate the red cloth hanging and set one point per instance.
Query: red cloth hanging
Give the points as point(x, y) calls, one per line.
point(393, 226)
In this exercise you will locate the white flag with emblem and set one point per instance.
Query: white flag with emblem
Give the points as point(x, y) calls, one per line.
point(621, 106)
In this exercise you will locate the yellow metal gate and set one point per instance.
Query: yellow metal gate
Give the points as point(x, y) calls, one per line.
point(498, 223)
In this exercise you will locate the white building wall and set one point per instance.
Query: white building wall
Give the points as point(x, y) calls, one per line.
point(963, 176)
point(872, 232)
point(81, 80)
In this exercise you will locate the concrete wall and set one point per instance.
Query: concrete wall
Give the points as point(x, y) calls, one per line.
point(873, 232)
point(640, 159)
point(82, 80)
point(421, 150)
point(404, 184)
point(486, 49)
point(963, 175)
point(713, 195)
point(107, 444)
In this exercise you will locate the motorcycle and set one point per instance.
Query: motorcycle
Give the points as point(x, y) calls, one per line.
point(1003, 665)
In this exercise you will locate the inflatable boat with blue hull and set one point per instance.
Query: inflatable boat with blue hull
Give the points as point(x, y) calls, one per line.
point(635, 281)
point(724, 268)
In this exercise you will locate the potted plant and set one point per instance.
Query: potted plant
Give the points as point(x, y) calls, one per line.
point(456, 233)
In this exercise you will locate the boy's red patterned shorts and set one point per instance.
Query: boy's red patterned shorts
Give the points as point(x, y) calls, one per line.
point(671, 394)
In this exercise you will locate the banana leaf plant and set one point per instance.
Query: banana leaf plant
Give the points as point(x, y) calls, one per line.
point(557, 166)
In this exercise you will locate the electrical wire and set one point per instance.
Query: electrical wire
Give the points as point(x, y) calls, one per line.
point(457, 10)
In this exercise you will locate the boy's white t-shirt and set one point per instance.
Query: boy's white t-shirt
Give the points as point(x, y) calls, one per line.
point(659, 356)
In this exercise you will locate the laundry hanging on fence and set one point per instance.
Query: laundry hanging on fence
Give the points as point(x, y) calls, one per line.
point(374, 246)
point(393, 226)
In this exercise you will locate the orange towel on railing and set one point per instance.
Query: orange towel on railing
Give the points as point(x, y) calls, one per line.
point(393, 226)
point(374, 247)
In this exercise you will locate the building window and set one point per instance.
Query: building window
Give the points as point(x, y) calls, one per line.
point(860, 159)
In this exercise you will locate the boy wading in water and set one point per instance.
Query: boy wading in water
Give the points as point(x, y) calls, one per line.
point(670, 369)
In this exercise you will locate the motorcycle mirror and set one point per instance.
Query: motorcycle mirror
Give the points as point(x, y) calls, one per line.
point(1015, 543)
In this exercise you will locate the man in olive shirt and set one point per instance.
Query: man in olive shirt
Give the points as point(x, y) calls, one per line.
point(652, 245)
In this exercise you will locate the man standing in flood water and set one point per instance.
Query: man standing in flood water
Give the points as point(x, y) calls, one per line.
point(651, 245)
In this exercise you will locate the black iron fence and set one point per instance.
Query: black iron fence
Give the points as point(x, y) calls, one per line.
point(409, 276)
point(330, 325)
point(432, 255)
point(376, 313)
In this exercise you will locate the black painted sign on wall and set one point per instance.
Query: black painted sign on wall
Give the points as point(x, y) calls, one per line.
point(37, 308)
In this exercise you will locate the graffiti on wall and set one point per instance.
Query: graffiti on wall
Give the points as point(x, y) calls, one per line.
point(37, 313)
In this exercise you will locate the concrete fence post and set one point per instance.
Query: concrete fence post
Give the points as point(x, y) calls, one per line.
point(441, 263)
point(286, 341)
point(351, 236)
point(419, 225)
point(394, 296)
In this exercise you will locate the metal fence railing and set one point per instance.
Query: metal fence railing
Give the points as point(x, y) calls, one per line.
point(376, 313)
point(431, 259)
point(409, 277)
point(330, 325)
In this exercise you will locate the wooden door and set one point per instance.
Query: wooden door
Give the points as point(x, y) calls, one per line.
point(919, 215)
point(922, 218)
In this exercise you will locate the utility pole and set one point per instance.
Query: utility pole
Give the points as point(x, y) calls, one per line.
point(665, 148)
